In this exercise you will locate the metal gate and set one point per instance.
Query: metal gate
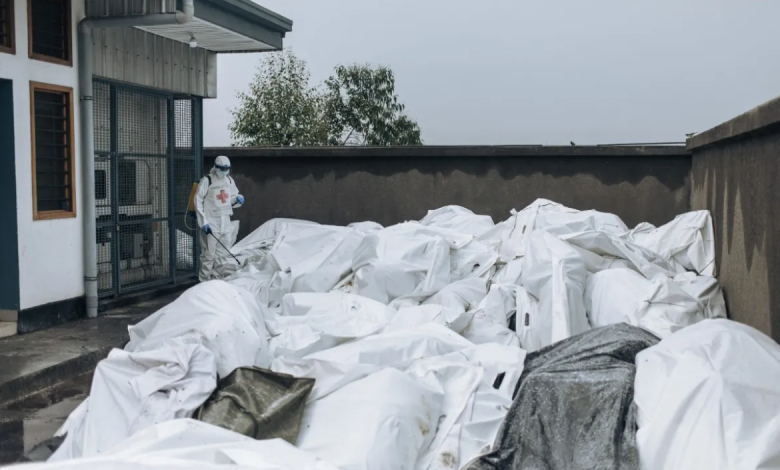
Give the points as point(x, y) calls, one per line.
point(148, 152)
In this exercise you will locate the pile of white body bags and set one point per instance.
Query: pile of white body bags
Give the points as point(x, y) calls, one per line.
point(416, 335)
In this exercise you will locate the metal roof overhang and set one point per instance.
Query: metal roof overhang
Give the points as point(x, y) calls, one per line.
point(224, 26)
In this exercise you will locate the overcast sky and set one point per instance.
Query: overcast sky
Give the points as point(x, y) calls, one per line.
point(542, 71)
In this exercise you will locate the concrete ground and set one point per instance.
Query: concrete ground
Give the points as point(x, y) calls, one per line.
point(33, 422)
point(44, 375)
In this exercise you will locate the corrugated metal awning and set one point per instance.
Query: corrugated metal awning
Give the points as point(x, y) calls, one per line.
point(219, 25)
point(230, 26)
point(210, 36)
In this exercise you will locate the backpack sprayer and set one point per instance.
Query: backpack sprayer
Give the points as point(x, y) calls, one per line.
point(191, 206)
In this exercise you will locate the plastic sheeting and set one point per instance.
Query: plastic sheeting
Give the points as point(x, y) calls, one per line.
point(573, 406)
point(336, 367)
point(189, 444)
point(303, 252)
point(555, 273)
point(507, 238)
point(258, 243)
point(258, 403)
point(687, 241)
point(132, 390)
point(383, 422)
point(312, 322)
point(452, 307)
point(227, 320)
point(445, 307)
point(461, 382)
point(706, 290)
point(310, 258)
point(388, 265)
point(476, 399)
point(658, 305)
point(549, 250)
point(709, 398)
point(460, 374)
point(255, 246)
point(601, 250)
point(458, 218)
point(490, 321)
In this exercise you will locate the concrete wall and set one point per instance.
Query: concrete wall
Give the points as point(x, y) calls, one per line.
point(340, 185)
point(735, 170)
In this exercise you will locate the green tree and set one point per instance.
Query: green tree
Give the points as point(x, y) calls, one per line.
point(280, 108)
point(357, 106)
point(362, 108)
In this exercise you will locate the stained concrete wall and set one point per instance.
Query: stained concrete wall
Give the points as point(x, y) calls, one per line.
point(340, 185)
point(735, 172)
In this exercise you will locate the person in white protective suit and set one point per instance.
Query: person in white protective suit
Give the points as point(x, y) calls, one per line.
point(215, 200)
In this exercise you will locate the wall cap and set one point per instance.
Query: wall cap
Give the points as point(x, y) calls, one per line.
point(450, 151)
point(758, 120)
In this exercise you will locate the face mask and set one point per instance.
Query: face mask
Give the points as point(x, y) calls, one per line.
point(223, 173)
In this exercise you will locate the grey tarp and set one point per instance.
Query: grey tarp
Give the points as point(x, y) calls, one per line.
point(258, 403)
point(573, 406)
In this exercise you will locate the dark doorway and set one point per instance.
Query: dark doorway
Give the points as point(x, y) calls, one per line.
point(9, 248)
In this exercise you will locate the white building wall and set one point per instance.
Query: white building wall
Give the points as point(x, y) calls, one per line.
point(51, 265)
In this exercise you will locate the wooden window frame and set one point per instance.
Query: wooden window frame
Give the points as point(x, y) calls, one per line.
point(12, 31)
point(69, 37)
point(57, 214)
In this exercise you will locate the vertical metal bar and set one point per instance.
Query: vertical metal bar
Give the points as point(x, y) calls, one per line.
point(116, 235)
point(171, 213)
point(197, 143)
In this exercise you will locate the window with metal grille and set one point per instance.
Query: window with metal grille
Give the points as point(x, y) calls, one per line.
point(50, 30)
point(52, 152)
point(7, 40)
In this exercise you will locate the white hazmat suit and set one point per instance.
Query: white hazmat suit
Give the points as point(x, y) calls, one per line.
point(214, 204)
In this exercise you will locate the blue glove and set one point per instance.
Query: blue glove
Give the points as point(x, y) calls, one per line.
point(206, 228)
point(240, 199)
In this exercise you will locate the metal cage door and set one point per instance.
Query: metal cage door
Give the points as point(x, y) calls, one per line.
point(147, 153)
